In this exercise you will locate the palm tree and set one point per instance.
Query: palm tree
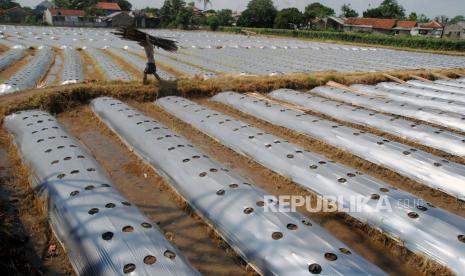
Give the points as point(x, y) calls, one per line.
point(205, 3)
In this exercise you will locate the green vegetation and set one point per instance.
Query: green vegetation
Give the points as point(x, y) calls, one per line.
point(413, 16)
point(288, 19)
point(18, 14)
point(178, 14)
point(316, 9)
point(213, 22)
point(88, 4)
point(456, 19)
point(263, 14)
point(8, 4)
point(347, 11)
point(259, 13)
point(397, 41)
point(225, 17)
point(388, 9)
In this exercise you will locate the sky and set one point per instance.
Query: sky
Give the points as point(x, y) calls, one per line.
point(431, 8)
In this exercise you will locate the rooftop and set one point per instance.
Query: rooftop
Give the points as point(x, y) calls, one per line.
point(377, 23)
point(65, 12)
point(432, 25)
point(108, 6)
point(406, 24)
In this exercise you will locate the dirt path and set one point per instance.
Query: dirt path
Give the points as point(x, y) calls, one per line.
point(371, 245)
point(154, 197)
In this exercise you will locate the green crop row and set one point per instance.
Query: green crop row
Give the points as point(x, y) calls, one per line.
point(387, 40)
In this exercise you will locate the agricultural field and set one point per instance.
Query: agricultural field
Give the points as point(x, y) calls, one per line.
point(63, 55)
point(102, 175)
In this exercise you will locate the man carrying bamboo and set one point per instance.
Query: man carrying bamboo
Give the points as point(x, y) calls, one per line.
point(148, 42)
point(151, 68)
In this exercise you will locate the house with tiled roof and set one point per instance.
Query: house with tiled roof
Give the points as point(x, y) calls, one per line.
point(64, 17)
point(369, 25)
point(432, 25)
point(379, 26)
point(433, 29)
point(108, 7)
point(404, 27)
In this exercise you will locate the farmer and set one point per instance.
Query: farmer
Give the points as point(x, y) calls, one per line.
point(151, 68)
point(148, 42)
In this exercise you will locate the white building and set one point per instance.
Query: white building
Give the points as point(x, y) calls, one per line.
point(64, 17)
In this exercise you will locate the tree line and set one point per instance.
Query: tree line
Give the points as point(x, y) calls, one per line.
point(264, 14)
point(24, 15)
point(89, 5)
point(258, 14)
point(179, 14)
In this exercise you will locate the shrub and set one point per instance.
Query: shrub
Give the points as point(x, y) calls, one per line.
point(213, 22)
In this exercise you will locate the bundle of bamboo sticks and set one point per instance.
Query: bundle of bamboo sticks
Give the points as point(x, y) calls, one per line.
point(131, 33)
